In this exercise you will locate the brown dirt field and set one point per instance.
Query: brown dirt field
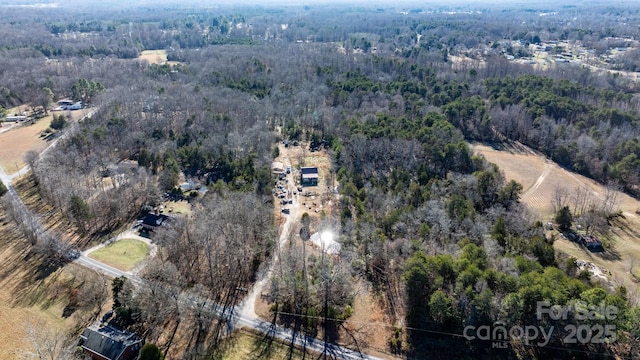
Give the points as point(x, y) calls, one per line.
point(322, 196)
point(540, 177)
point(30, 294)
point(14, 144)
point(369, 324)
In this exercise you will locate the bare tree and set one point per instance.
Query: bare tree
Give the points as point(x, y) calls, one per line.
point(611, 198)
point(47, 342)
point(560, 198)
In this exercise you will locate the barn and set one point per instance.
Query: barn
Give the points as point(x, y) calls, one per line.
point(309, 176)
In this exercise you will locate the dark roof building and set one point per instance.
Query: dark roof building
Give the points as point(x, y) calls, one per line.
point(109, 343)
point(309, 176)
point(152, 221)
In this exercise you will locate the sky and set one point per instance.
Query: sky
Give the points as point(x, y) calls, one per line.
point(397, 4)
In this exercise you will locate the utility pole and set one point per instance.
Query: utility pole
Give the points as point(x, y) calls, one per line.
point(305, 234)
point(326, 305)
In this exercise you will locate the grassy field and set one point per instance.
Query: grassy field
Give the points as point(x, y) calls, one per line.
point(154, 56)
point(541, 177)
point(32, 296)
point(123, 254)
point(246, 344)
point(15, 143)
point(21, 138)
point(177, 207)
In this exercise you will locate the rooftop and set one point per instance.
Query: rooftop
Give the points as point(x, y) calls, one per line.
point(309, 172)
point(154, 220)
point(108, 342)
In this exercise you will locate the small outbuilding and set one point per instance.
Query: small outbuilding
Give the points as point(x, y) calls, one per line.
point(277, 167)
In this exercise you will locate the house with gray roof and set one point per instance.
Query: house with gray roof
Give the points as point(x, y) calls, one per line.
point(110, 343)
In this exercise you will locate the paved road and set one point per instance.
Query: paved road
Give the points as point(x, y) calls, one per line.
point(333, 350)
point(6, 179)
point(88, 262)
point(240, 315)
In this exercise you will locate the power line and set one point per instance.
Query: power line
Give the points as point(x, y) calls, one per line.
point(435, 332)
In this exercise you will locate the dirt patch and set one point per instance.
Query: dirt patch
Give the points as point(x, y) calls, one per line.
point(317, 200)
point(154, 56)
point(369, 324)
point(541, 177)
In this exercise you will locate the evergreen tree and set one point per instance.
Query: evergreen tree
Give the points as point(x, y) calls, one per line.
point(150, 352)
point(564, 218)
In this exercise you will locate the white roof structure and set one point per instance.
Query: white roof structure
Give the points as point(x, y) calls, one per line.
point(309, 172)
point(277, 167)
point(325, 241)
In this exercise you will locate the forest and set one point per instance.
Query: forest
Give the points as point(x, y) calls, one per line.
point(394, 95)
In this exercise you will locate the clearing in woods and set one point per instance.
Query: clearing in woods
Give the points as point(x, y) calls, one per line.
point(540, 177)
point(368, 326)
point(154, 56)
point(158, 57)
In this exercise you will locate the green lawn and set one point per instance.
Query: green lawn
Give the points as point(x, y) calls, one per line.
point(177, 207)
point(123, 254)
point(246, 344)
